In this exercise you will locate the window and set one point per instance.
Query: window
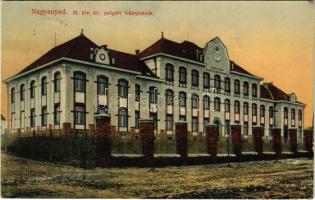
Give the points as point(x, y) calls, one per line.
point(182, 99)
point(300, 117)
point(195, 78)
point(245, 89)
point(169, 73)
point(245, 108)
point(123, 88)
point(32, 118)
point(206, 102)
point(227, 85)
point(292, 117)
point(227, 105)
point(169, 122)
point(57, 114)
point(153, 116)
point(12, 95)
point(169, 97)
point(217, 103)
point(206, 80)
point(79, 114)
point(236, 87)
point(137, 92)
point(44, 86)
point(195, 124)
point(79, 82)
point(153, 95)
point(236, 107)
point(245, 129)
point(254, 90)
point(285, 113)
point(44, 116)
point(57, 82)
point(270, 112)
point(254, 113)
point(22, 92)
point(182, 76)
point(194, 99)
point(122, 118)
point(102, 85)
point(32, 89)
point(137, 117)
point(262, 114)
point(217, 81)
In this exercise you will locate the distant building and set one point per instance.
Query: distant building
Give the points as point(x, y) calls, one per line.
point(168, 82)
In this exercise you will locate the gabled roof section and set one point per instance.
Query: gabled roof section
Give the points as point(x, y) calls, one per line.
point(264, 93)
point(235, 67)
point(80, 48)
point(2, 118)
point(276, 93)
point(186, 49)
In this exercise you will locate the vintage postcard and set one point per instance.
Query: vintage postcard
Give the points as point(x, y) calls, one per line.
point(181, 99)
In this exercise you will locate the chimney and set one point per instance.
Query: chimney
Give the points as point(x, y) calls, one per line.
point(137, 51)
point(162, 34)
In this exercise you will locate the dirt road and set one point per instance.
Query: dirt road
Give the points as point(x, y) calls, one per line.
point(292, 178)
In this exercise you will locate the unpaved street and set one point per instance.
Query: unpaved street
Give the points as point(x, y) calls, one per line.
point(292, 178)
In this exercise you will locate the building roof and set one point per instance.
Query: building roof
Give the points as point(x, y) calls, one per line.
point(276, 93)
point(235, 67)
point(264, 92)
point(186, 49)
point(79, 48)
point(2, 118)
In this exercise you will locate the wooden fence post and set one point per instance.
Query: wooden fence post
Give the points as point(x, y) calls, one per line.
point(103, 142)
point(211, 140)
point(276, 140)
point(236, 139)
point(181, 139)
point(147, 139)
point(258, 133)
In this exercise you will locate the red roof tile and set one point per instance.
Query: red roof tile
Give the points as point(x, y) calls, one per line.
point(79, 48)
point(185, 49)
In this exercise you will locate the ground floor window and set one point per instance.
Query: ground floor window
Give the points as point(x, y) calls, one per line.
point(79, 114)
point(169, 122)
point(195, 124)
point(205, 122)
point(285, 134)
point(122, 118)
point(137, 117)
point(245, 129)
point(32, 118)
point(57, 114)
point(227, 128)
point(153, 116)
point(44, 116)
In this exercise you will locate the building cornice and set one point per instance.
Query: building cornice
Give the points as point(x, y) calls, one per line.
point(250, 76)
point(175, 57)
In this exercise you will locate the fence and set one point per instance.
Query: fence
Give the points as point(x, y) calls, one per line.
point(98, 144)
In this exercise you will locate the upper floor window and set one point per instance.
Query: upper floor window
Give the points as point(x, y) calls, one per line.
point(217, 82)
point(169, 72)
point(194, 99)
point(137, 92)
point(57, 78)
point(44, 85)
point(12, 95)
point(262, 111)
point(245, 89)
point(169, 97)
point(254, 90)
point(195, 78)
point(206, 80)
point(236, 107)
point(182, 76)
point(217, 103)
point(153, 95)
point(22, 92)
point(32, 89)
point(102, 85)
point(271, 112)
point(182, 99)
point(254, 109)
point(285, 112)
point(227, 105)
point(123, 88)
point(236, 86)
point(245, 107)
point(227, 84)
point(206, 102)
point(79, 82)
point(300, 114)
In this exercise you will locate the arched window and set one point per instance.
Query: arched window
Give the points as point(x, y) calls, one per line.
point(194, 78)
point(227, 105)
point(153, 95)
point(293, 117)
point(22, 92)
point(32, 89)
point(182, 76)
point(79, 82)
point(169, 97)
point(217, 103)
point(236, 87)
point(227, 85)
point(262, 114)
point(206, 80)
point(12, 95)
point(102, 85)
point(217, 82)
point(44, 85)
point(245, 107)
point(254, 90)
point(182, 99)
point(285, 113)
point(254, 113)
point(169, 72)
point(123, 88)
point(57, 78)
point(194, 100)
point(245, 89)
point(237, 111)
point(137, 92)
point(206, 102)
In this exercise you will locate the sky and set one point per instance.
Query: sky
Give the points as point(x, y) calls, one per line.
point(273, 40)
